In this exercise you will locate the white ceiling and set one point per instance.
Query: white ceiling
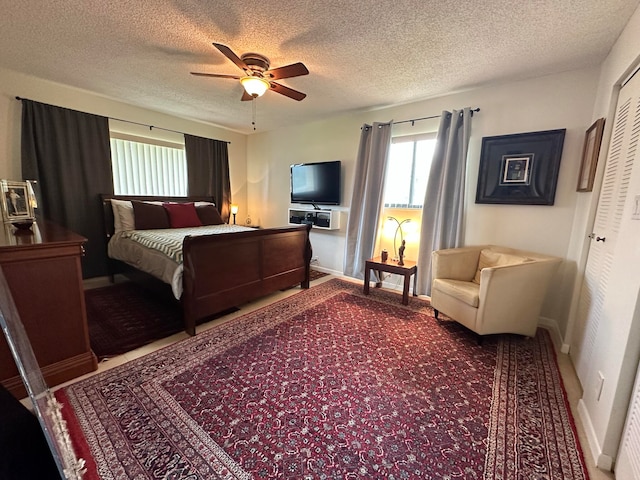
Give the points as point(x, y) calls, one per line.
point(361, 54)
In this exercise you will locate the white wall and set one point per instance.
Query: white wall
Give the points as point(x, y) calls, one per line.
point(618, 345)
point(551, 102)
point(13, 84)
point(259, 165)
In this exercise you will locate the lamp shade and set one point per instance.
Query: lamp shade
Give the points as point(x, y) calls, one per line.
point(33, 201)
point(234, 209)
point(254, 86)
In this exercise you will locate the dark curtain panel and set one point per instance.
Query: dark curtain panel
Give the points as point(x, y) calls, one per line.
point(68, 153)
point(208, 171)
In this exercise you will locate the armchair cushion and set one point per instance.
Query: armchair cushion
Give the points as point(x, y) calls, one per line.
point(490, 258)
point(467, 292)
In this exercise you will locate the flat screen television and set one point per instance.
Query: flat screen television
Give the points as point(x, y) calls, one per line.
point(316, 183)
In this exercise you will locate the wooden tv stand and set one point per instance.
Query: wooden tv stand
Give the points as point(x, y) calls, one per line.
point(44, 275)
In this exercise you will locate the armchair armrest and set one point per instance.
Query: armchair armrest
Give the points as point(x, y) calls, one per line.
point(514, 293)
point(455, 263)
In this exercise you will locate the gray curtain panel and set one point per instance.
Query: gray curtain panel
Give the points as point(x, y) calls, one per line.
point(208, 171)
point(366, 202)
point(69, 155)
point(443, 211)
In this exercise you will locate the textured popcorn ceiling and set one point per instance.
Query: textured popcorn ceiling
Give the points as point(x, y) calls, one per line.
point(363, 54)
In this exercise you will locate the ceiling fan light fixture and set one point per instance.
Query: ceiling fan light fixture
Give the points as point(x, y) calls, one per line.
point(254, 86)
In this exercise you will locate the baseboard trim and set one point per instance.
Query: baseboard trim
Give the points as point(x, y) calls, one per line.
point(552, 326)
point(602, 461)
point(605, 462)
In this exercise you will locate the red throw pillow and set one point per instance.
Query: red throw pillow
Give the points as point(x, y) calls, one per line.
point(209, 215)
point(182, 215)
point(149, 215)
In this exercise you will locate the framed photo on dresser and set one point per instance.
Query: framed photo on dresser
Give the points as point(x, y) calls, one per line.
point(16, 201)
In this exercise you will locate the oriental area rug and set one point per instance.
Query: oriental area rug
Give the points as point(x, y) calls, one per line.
point(125, 316)
point(326, 384)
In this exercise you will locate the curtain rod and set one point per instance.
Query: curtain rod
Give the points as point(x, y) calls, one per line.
point(151, 127)
point(414, 120)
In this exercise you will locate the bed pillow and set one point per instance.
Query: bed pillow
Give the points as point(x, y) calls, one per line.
point(182, 215)
point(209, 215)
point(150, 216)
point(122, 215)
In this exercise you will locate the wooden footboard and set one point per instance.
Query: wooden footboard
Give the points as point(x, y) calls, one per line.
point(226, 270)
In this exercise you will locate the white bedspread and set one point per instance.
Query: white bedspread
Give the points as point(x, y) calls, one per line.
point(152, 250)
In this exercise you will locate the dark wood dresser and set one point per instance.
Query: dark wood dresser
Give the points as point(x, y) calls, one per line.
point(43, 270)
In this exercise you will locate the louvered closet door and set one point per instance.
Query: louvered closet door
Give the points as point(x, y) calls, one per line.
point(623, 149)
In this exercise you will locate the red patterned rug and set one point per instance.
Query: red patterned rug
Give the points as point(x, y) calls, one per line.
point(330, 383)
point(316, 274)
point(125, 316)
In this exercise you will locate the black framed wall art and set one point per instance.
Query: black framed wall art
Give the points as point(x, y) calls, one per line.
point(520, 169)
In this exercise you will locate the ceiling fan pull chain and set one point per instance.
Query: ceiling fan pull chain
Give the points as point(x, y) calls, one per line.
point(253, 108)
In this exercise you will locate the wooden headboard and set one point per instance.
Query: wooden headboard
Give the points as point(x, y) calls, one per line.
point(107, 210)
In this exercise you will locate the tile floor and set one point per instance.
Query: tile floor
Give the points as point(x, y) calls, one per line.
point(572, 385)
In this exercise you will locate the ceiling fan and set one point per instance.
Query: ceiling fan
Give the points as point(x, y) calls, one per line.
point(258, 77)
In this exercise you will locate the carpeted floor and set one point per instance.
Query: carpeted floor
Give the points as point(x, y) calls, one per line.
point(329, 383)
point(125, 316)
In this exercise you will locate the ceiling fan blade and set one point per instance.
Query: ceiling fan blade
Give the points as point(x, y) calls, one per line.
point(288, 71)
point(246, 97)
point(216, 75)
point(227, 52)
point(287, 92)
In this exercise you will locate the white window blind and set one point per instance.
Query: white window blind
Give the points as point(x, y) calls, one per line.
point(141, 168)
point(408, 171)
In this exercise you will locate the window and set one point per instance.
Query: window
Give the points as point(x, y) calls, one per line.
point(408, 170)
point(144, 168)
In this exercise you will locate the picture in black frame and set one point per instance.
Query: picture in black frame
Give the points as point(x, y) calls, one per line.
point(520, 169)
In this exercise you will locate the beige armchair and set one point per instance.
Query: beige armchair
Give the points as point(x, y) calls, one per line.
point(491, 289)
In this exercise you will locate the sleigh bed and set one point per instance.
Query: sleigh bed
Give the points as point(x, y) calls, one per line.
point(217, 268)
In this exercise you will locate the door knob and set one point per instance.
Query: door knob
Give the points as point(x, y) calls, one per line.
point(601, 239)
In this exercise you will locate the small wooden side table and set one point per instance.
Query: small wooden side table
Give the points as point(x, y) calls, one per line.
point(409, 268)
